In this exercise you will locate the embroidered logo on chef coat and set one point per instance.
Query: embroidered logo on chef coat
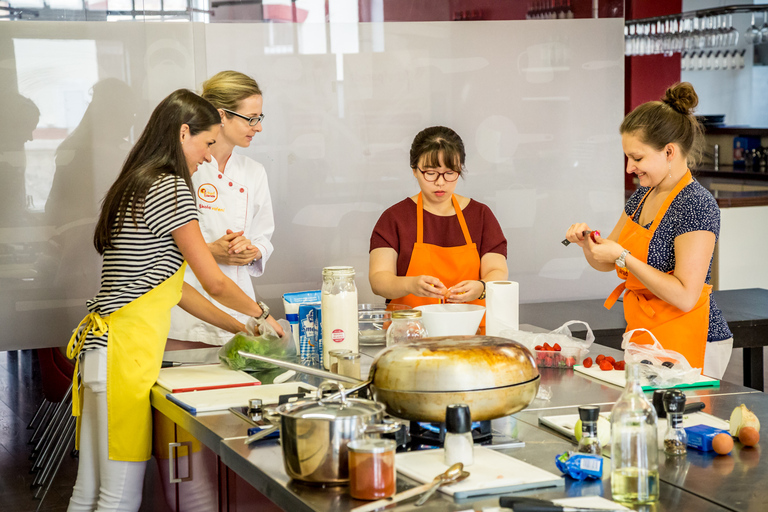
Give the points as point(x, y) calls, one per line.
point(207, 192)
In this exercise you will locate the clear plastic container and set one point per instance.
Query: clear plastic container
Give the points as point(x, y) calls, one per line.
point(564, 358)
point(406, 326)
point(372, 468)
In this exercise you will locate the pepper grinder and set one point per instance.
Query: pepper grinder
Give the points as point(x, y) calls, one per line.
point(589, 442)
point(459, 445)
point(676, 438)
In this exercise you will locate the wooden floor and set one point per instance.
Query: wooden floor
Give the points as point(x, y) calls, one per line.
point(21, 393)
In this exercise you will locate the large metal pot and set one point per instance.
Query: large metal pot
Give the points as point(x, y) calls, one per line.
point(314, 434)
point(496, 377)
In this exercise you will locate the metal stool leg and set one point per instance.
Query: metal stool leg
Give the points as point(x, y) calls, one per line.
point(44, 420)
point(60, 411)
point(55, 440)
point(40, 408)
point(63, 448)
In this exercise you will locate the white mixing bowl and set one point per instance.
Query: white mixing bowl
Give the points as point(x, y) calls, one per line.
point(451, 319)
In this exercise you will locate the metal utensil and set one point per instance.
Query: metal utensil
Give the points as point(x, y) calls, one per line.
point(452, 475)
point(410, 493)
point(261, 434)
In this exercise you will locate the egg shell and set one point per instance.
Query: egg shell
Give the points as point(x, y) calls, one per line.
point(749, 436)
point(722, 444)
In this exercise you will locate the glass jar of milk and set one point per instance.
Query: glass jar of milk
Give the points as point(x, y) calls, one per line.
point(339, 310)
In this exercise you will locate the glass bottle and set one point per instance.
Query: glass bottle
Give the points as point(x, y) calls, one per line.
point(406, 326)
point(589, 442)
point(338, 308)
point(675, 439)
point(634, 448)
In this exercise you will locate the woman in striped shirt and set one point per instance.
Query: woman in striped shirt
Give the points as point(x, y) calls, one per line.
point(147, 229)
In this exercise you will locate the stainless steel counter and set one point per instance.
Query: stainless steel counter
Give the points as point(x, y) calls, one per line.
point(701, 482)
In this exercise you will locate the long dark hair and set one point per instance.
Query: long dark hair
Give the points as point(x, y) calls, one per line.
point(157, 152)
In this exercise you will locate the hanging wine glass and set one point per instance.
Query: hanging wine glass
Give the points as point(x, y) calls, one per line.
point(733, 34)
point(764, 28)
point(752, 34)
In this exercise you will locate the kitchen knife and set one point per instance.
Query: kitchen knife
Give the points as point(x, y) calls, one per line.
point(521, 504)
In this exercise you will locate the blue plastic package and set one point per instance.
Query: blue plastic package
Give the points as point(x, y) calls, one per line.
point(580, 465)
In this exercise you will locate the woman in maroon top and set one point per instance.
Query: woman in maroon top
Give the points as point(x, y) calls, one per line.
point(436, 244)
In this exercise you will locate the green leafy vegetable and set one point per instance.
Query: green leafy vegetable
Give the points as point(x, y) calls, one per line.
point(258, 345)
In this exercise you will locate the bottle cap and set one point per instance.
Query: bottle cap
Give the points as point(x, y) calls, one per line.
point(589, 412)
point(457, 419)
point(674, 401)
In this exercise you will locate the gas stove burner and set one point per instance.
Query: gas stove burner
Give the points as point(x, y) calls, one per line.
point(433, 434)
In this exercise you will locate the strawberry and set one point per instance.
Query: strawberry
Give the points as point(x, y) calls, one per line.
point(620, 365)
point(599, 358)
point(557, 348)
point(570, 361)
point(587, 362)
point(610, 360)
point(538, 347)
point(605, 365)
point(547, 346)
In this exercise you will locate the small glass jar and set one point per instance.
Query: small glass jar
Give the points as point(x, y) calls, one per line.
point(406, 326)
point(349, 364)
point(338, 305)
point(676, 438)
point(372, 468)
point(333, 358)
point(589, 442)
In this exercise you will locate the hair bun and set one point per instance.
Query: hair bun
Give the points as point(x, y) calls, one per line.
point(681, 97)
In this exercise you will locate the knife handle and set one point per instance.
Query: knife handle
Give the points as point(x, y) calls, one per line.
point(693, 407)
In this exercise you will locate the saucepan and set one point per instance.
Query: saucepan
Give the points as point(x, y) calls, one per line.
point(496, 377)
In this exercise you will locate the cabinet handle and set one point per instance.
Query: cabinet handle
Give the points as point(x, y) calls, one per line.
point(172, 458)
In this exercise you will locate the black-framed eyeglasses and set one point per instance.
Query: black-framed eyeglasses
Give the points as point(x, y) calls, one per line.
point(252, 121)
point(432, 176)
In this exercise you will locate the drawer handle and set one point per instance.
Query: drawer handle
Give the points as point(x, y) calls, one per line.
point(173, 458)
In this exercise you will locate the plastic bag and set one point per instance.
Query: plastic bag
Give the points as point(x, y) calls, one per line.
point(267, 344)
point(660, 368)
point(562, 336)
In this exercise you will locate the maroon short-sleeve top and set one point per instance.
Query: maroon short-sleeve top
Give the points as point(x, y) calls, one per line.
point(396, 228)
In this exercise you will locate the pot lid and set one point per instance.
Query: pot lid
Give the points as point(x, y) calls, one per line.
point(331, 408)
point(453, 363)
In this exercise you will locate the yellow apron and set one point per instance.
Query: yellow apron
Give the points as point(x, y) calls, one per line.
point(137, 333)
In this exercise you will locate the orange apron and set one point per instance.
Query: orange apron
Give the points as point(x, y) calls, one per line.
point(675, 329)
point(451, 265)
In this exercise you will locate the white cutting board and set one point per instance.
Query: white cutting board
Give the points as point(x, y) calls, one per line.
point(222, 399)
point(618, 378)
point(492, 473)
point(207, 376)
point(564, 423)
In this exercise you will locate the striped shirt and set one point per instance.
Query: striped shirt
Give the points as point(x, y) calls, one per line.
point(143, 256)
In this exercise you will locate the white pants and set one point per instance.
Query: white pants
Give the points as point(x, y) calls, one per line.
point(716, 357)
point(102, 485)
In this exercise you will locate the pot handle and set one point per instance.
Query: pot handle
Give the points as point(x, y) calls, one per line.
point(382, 428)
point(329, 384)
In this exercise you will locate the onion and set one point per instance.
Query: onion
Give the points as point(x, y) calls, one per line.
point(742, 417)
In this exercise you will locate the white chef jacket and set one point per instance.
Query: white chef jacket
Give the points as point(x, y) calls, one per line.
point(239, 200)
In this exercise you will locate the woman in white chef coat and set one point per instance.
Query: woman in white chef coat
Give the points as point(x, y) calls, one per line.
point(233, 202)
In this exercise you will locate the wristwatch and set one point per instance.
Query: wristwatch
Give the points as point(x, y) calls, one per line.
point(482, 295)
point(621, 261)
point(264, 309)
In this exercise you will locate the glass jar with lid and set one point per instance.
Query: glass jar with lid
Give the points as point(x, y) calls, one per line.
point(338, 306)
point(406, 326)
point(372, 468)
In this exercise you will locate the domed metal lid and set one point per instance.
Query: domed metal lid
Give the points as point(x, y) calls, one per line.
point(453, 363)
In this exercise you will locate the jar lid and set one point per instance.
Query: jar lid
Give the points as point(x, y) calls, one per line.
point(407, 313)
point(370, 445)
point(339, 271)
point(339, 351)
point(457, 419)
point(589, 412)
point(348, 355)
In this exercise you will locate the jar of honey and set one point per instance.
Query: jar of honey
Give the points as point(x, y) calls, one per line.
point(372, 468)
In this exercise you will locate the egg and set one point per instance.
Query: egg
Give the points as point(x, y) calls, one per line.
point(749, 436)
point(722, 443)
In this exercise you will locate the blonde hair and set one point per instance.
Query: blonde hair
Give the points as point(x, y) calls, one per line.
point(228, 88)
point(671, 120)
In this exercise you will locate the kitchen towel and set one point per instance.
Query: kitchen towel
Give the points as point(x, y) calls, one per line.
point(502, 303)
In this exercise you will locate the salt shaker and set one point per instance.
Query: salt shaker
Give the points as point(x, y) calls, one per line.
point(458, 443)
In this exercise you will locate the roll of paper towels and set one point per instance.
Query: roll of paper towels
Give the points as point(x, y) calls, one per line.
point(502, 303)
